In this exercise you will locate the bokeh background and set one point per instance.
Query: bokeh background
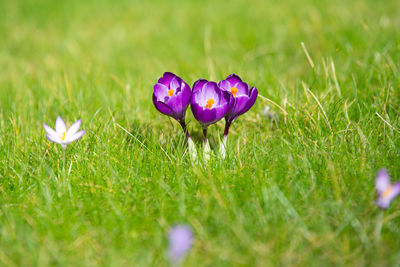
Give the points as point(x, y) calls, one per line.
point(134, 42)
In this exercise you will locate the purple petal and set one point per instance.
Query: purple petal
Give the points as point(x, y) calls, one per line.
point(243, 100)
point(75, 137)
point(233, 79)
point(180, 101)
point(73, 129)
point(242, 105)
point(166, 78)
point(383, 203)
point(54, 138)
point(204, 115)
point(186, 94)
point(230, 99)
point(198, 85)
point(211, 90)
point(49, 130)
point(176, 104)
point(180, 242)
point(395, 191)
point(238, 106)
point(243, 89)
point(382, 181)
point(207, 116)
point(225, 85)
point(202, 92)
point(386, 192)
point(175, 83)
point(220, 112)
point(251, 101)
point(60, 126)
point(160, 92)
point(163, 108)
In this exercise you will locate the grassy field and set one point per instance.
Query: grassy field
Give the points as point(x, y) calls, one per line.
point(296, 192)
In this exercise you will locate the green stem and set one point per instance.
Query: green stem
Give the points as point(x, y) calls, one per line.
point(378, 227)
point(63, 161)
point(205, 135)
point(184, 127)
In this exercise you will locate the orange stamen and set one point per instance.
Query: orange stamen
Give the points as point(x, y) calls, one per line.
point(387, 192)
point(210, 103)
point(170, 92)
point(63, 136)
point(234, 91)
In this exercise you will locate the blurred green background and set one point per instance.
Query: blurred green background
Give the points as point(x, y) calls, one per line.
point(134, 42)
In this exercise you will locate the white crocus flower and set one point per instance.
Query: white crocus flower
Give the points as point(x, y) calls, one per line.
point(61, 135)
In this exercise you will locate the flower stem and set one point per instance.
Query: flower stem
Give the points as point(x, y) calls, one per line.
point(63, 149)
point(205, 135)
point(378, 227)
point(222, 146)
point(207, 148)
point(185, 130)
point(227, 126)
point(191, 145)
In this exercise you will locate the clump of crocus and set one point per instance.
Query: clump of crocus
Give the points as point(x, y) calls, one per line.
point(180, 241)
point(63, 136)
point(171, 97)
point(209, 104)
point(387, 192)
point(243, 99)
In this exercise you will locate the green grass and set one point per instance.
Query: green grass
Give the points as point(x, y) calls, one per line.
point(298, 192)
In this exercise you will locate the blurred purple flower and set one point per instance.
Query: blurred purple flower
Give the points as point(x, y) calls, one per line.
point(61, 135)
point(171, 97)
point(180, 241)
point(387, 192)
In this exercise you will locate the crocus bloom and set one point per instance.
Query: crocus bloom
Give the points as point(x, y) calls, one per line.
point(61, 135)
point(208, 102)
point(180, 241)
point(387, 192)
point(243, 97)
point(171, 97)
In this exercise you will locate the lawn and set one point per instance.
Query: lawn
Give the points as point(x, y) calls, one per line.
point(295, 191)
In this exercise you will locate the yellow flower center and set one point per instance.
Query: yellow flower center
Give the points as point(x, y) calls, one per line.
point(210, 103)
point(387, 192)
point(234, 91)
point(63, 136)
point(170, 92)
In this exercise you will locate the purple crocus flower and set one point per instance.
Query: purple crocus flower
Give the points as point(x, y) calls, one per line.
point(171, 97)
point(209, 103)
point(180, 241)
point(243, 98)
point(387, 192)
